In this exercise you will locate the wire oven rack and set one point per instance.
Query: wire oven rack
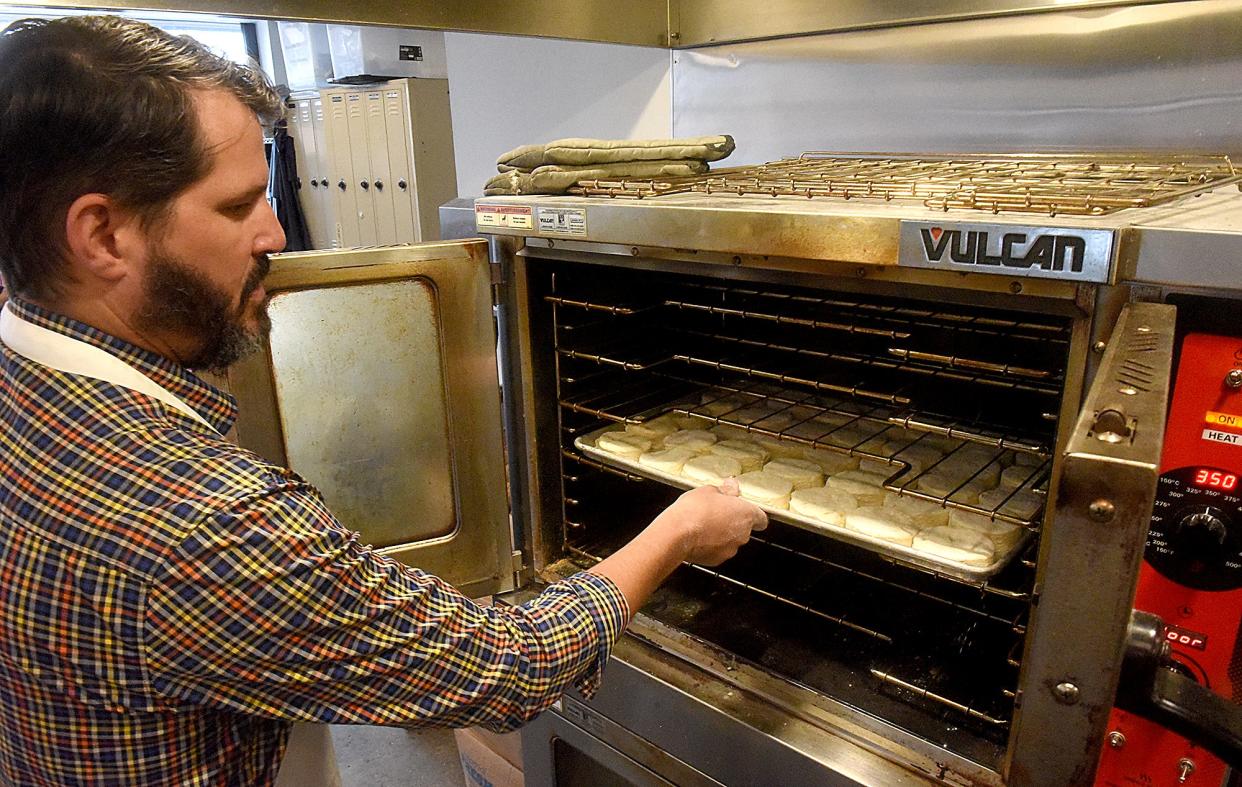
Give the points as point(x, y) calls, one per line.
point(1068, 184)
point(740, 376)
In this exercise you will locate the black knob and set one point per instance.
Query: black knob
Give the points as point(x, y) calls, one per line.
point(401, 184)
point(1203, 530)
point(379, 185)
point(314, 183)
point(298, 184)
point(365, 185)
point(340, 184)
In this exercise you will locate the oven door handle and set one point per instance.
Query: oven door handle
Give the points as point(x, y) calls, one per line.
point(1151, 688)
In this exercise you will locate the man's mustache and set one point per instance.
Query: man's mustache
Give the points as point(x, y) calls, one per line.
point(256, 277)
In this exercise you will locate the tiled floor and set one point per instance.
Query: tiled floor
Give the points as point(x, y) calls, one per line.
point(387, 757)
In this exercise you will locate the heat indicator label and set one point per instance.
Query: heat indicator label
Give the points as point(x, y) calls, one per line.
point(1216, 436)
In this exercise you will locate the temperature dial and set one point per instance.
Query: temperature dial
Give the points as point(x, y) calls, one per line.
point(1204, 530)
point(1196, 529)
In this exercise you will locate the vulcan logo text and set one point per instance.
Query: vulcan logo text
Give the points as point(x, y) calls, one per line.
point(1011, 250)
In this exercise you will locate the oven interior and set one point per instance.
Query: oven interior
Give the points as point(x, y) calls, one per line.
point(932, 654)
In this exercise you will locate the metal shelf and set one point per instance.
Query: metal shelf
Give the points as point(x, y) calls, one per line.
point(1079, 185)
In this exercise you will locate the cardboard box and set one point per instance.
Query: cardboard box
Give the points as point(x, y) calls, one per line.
point(489, 759)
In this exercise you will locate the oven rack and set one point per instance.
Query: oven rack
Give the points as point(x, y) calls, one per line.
point(647, 360)
point(813, 423)
point(932, 365)
point(734, 576)
point(881, 321)
point(1081, 185)
point(819, 409)
point(997, 586)
point(928, 694)
point(879, 424)
point(954, 366)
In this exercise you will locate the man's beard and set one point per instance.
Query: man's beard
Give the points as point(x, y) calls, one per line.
point(181, 301)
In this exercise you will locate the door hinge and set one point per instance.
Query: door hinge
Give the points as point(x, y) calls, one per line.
point(518, 562)
point(496, 270)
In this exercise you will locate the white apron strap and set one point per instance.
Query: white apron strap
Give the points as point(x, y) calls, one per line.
point(69, 355)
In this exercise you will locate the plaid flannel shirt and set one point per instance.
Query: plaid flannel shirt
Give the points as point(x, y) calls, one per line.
point(170, 602)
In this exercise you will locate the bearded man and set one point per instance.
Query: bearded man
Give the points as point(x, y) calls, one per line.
point(170, 602)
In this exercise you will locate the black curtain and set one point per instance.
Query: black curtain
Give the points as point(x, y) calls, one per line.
point(284, 189)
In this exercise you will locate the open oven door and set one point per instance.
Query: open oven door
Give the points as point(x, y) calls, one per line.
point(379, 385)
point(1088, 649)
point(1090, 554)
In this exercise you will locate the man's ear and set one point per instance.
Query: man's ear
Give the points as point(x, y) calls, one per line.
point(104, 240)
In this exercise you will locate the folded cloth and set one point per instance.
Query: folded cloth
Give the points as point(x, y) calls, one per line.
point(580, 152)
point(557, 179)
point(526, 157)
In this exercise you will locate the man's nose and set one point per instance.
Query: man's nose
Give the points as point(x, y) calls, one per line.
point(271, 237)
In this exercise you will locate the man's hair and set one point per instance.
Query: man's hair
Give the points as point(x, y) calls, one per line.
point(99, 104)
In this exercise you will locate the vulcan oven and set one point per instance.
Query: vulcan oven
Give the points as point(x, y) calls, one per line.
point(1009, 358)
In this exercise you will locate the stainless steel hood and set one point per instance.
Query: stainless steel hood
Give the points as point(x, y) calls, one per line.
point(657, 23)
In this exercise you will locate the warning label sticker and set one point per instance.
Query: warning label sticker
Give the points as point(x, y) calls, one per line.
point(514, 217)
point(563, 221)
point(1222, 437)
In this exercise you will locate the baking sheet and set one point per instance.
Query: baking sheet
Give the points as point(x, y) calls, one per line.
point(898, 552)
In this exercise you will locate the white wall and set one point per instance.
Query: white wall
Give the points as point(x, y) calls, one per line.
point(507, 91)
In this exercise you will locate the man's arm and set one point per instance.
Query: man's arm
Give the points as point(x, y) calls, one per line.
point(705, 525)
point(274, 609)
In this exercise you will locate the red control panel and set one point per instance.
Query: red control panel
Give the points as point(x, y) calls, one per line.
point(1192, 572)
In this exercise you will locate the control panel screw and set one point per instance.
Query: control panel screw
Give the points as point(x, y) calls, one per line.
point(1099, 347)
point(1116, 739)
point(1185, 767)
point(1066, 693)
point(633, 251)
point(1102, 510)
point(1234, 378)
point(1015, 287)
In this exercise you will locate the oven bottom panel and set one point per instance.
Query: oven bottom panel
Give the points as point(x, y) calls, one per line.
point(643, 730)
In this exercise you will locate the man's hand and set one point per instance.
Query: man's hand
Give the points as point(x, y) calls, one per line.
point(705, 525)
point(713, 523)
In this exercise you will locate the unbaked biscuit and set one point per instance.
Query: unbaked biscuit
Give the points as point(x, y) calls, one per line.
point(750, 456)
point(1003, 534)
point(956, 544)
point(669, 460)
point(697, 440)
point(866, 487)
point(766, 488)
point(711, 469)
point(883, 523)
point(802, 473)
point(825, 505)
point(623, 444)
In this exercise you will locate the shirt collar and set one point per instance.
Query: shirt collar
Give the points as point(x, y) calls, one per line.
point(217, 407)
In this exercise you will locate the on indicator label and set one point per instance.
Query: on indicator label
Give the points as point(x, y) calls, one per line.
point(1224, 419)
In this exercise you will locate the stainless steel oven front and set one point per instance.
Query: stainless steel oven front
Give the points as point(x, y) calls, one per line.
point(809, 328)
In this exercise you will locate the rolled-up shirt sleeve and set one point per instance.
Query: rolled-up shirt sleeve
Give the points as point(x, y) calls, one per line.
point(273, 608)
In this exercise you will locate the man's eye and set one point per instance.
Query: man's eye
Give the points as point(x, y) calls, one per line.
point(240, 209)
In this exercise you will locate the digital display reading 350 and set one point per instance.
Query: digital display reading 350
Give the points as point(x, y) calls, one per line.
point(1216, 479)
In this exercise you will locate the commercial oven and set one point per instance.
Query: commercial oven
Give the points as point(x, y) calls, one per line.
point(1084, 344)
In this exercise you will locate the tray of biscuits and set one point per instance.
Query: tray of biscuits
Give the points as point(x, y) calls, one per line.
point(834, 493)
